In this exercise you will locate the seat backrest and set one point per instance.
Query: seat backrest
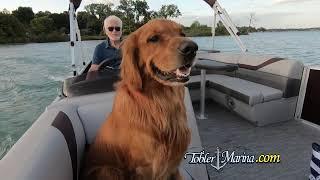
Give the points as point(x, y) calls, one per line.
point(51, 148)
point(93, 115)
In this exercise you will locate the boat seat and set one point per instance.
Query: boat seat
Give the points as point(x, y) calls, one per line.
point(50, 149)
point(279, 73)
point(254, 102)
point(246, 91)
point(54, 146)
point(94, 114)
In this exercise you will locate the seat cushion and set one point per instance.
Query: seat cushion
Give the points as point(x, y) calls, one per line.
point(243, 90)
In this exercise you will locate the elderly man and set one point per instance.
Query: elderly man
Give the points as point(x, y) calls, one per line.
point(109, 49)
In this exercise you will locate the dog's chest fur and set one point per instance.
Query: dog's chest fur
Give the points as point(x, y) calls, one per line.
point(172, 135)
point(162, 114)
point(145, 134)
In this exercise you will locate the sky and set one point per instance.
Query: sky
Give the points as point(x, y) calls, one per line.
point(267, 13)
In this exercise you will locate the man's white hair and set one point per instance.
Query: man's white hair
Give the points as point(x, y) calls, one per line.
point(111, 18)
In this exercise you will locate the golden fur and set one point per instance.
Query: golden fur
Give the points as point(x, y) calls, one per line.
point(146, 134)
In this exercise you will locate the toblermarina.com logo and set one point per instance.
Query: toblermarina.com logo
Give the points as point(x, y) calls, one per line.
point(220, 158)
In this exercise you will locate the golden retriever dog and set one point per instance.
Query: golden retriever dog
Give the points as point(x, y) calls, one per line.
point(146, 134)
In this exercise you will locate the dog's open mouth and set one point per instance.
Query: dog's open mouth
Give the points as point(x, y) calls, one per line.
point(180, 74)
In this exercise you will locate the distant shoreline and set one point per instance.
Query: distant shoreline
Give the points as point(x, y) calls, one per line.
point(91, 38)
point(293, 29)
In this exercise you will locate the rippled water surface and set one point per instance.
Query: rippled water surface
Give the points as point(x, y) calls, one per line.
point(31, 74)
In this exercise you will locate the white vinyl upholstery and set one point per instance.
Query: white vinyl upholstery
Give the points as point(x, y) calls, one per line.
point(263, 90)
point(246, 91)
point(286, 68)
point(256, 93)
point(93, 115)
point(42, 152)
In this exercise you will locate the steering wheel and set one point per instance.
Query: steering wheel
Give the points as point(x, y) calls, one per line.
point(110, 64)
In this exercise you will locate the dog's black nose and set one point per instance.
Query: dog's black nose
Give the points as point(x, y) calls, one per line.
point(188, 48)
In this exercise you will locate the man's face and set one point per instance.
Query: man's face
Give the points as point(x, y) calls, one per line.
point(113, 30)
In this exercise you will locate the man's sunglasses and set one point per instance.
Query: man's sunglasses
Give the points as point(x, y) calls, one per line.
point(117, 28)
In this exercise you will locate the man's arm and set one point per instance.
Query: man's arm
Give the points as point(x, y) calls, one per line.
point(94, 67)
point(95, 60)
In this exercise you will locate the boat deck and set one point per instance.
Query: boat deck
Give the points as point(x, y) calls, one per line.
point(292, 140)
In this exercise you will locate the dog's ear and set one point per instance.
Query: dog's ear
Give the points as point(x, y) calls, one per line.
point(130, 72)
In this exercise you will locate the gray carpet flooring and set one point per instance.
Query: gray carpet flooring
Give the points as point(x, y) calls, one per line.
point(292, 140)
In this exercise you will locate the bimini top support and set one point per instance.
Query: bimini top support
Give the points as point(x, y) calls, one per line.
point(76, 3)
point(227, 22)
point(74, 32)
point(210, 2)
point(72, 17)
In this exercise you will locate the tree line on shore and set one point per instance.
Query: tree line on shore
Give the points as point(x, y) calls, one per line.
point(197, 29)
point(23, 25)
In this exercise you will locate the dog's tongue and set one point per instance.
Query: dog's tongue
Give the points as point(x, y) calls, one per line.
point(183, 71)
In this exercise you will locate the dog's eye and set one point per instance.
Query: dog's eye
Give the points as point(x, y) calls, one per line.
point(183, 34)
point(154, 38)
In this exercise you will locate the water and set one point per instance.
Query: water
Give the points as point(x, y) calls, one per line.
point(302, 46)
point(31, 74)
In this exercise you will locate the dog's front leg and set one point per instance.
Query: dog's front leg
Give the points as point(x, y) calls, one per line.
point(143, 173)
point(176, 175)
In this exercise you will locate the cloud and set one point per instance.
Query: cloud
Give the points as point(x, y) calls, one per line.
point(269, 20)
point(290, 1)
point(86, 2)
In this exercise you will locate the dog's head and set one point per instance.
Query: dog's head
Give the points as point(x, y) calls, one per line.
point(158, 50)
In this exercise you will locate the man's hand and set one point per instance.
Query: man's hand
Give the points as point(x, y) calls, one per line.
point(94, 67)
